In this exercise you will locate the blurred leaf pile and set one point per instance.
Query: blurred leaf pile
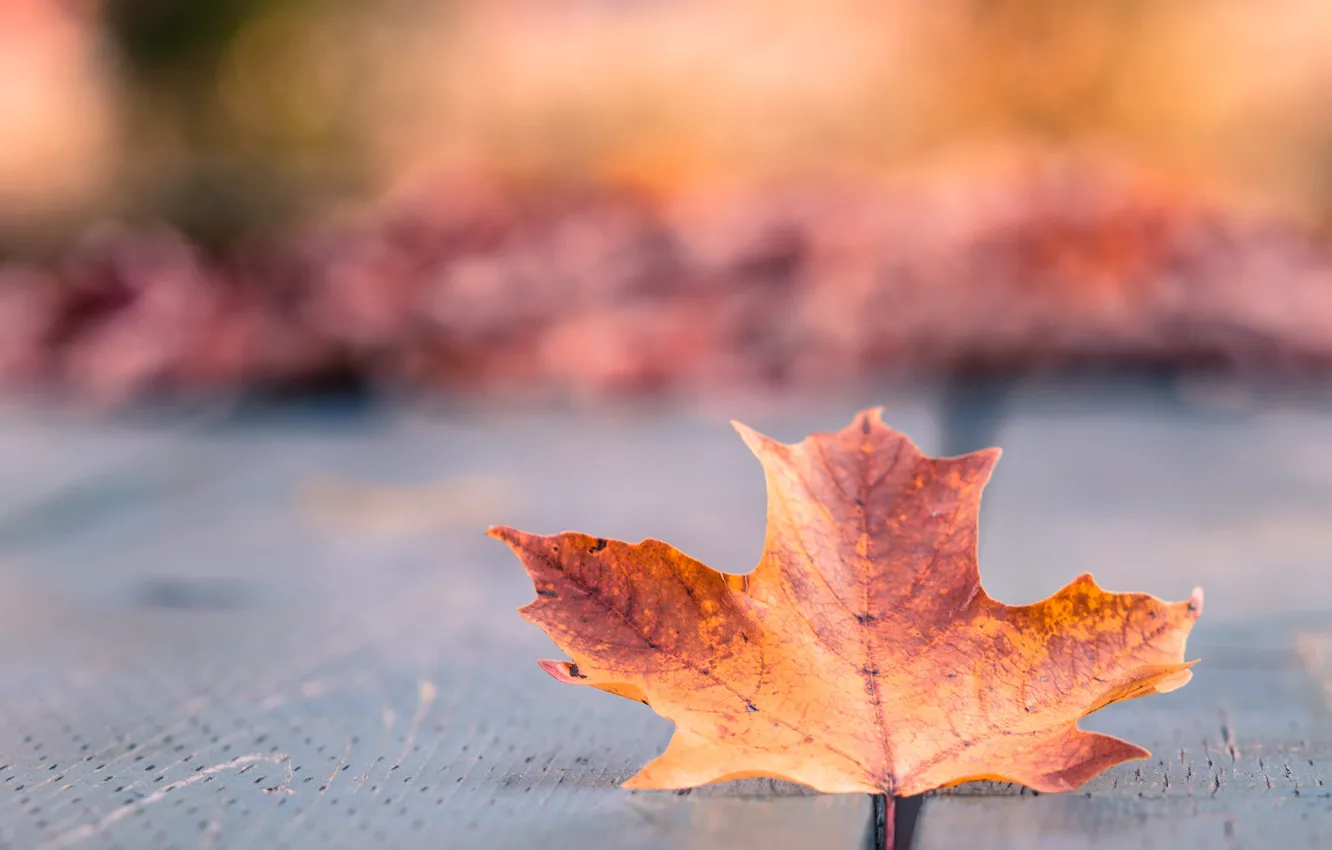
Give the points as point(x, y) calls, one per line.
point(559, 197)
point(480, 288)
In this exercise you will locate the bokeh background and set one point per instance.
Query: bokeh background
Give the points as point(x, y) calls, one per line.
point(299, 296)
point(582, 199)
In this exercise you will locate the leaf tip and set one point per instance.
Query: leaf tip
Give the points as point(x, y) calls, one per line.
point(1133, 752)
point(561, 671)
point(1196, 603)
point(1176, 680)
point(744, 430)
point(758, 443)
point(991, 455)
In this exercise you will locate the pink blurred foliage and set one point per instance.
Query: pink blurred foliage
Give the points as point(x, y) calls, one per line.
point(492, 290)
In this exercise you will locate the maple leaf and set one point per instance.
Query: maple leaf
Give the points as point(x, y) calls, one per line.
point(862, 654)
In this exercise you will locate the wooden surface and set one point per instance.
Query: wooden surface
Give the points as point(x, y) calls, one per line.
point(1240, 759)
point(289, 630)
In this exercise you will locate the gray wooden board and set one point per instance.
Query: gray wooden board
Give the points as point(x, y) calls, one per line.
point(1069, 822)
point(1163, 500)
point(71, 469)
point(260, 655)
point(1241, 757)
point(294, 634)
point(1235, 500)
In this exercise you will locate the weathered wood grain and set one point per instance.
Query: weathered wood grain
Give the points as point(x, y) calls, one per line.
point(1072, 822)
point(1160, 497)
point(63, 471)
point(229, 665)
point(1240, 757)
point(292, 632)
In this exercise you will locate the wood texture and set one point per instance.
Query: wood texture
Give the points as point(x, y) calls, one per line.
point(290, 631)
point(1146, 492)
point(1240, 759)
point(241, 659)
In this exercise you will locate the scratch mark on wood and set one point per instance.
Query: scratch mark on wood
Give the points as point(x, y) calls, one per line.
point(88, 830)
point(426, 692)
point(1228, 737)
point(305, 813)
point(390, 718)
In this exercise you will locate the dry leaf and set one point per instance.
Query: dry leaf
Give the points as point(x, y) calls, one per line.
point(862, 654)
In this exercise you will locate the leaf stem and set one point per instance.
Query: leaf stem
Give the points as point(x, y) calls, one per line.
point(884, 816)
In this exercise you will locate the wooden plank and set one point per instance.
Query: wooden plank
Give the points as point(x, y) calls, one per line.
point(1241, 758)
point(312, 605)
point(247, 663)
point(76, 466)
point(1066, 822)
point(1160, 497)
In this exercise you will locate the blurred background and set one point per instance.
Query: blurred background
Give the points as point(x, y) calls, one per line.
point(564, 200)
point(298, 296)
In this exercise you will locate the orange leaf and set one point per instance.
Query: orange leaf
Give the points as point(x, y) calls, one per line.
point(861, 655)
